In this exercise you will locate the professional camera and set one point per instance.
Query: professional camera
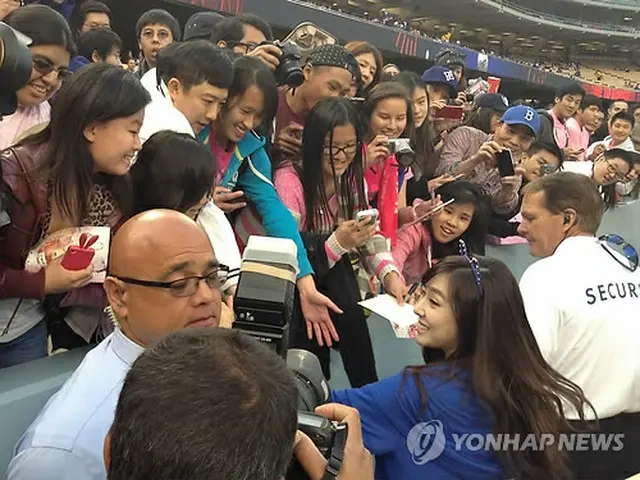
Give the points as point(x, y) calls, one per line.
point(263, 305)
point(15, 67)
point(289, 72)
point(401, 148)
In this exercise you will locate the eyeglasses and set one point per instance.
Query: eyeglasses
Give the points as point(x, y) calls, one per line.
point(44, 66)
point(612, 170)
point(473, 263)
point(334, 151)
point(628, 250)
point(185, 287)
point(248, 47)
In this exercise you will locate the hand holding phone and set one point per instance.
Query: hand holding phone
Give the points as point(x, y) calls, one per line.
point(372, 215)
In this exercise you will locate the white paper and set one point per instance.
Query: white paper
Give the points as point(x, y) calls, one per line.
point(402, 319)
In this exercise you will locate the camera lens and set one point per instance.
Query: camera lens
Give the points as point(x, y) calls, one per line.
point(312, 387)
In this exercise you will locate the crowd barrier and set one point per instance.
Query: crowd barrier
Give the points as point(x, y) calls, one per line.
point(25, 388)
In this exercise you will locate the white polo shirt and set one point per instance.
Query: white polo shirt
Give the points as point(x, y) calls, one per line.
point(584, 310)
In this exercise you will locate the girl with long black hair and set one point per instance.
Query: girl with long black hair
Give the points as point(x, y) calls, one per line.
point(72, 174)
point(324, 192)
point(493, 380)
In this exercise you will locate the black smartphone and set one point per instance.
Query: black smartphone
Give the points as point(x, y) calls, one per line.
point(505, 164)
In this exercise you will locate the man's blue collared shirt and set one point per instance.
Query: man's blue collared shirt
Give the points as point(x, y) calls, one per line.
point(66, 441)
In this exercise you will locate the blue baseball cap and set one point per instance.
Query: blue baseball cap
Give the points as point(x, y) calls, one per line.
point(523, 115)
point(439, 75)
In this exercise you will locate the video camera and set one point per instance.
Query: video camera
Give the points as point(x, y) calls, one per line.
point(263, 306)
point(15, 67)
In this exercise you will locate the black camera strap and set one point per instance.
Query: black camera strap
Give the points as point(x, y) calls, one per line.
point(337, 452)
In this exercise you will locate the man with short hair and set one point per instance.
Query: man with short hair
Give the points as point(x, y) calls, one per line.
point(194, 80)
point(553, 123)
point(582, 125)
point(538, 158)
point(620, 128)
point(92, 14)
point(583, 305)
point(96, 46)
point(245, 423)
point(163, 277)
point(229, 409)
point(473, 153)
point(615, 107)
point(155, 29)
point(329, 72)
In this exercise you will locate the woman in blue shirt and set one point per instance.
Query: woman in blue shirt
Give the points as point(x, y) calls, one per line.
point(432, 421)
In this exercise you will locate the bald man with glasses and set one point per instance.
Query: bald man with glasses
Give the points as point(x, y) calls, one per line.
point(163, 277)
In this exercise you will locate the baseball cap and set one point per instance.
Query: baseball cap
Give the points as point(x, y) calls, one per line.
point(200, 25)
point(439, 75)
point(15, 66)
point(448, 57)
point(335, 56)
point(523, 115)
point(494, 101)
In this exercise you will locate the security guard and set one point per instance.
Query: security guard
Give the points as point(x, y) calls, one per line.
point(583, 305)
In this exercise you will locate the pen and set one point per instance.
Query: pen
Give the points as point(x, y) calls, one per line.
point(412, 290)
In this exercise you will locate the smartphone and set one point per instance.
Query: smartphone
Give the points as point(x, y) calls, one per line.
point(505, 164)
point(547, 170)
point(453, 112)
point(77, 258)
point(372, 214)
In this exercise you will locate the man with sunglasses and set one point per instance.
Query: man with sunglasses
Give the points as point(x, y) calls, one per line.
point(583, 304)
point(163, 277)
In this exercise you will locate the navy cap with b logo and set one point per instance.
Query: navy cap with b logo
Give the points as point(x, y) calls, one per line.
point(439, 75)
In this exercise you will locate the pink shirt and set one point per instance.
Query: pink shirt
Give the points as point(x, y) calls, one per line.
point(12, 126)
point(578, 137)
point(560, 131)
point(412, 252)
point(222, 154)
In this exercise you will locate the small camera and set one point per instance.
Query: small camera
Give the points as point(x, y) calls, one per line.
point(289, 72)
point(401, 148)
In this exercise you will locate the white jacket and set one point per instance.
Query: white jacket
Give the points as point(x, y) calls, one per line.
point(160, 114)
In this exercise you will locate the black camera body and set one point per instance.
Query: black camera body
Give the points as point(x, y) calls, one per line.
point(15, 67)
point(401, 148)
point(289, 72)
point(263, 306)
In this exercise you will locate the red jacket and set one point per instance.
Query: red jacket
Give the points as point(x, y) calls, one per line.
point(27, 209)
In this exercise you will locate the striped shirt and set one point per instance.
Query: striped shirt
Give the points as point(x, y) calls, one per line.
point(462, 144)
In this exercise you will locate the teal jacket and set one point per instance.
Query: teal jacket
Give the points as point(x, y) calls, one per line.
point(250, 171)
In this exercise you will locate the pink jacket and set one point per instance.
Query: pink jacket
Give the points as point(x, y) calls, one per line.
point(412, 252)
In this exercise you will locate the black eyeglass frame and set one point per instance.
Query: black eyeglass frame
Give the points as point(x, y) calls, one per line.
point(221, 271)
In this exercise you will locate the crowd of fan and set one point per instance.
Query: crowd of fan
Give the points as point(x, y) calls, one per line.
point(200, 148)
